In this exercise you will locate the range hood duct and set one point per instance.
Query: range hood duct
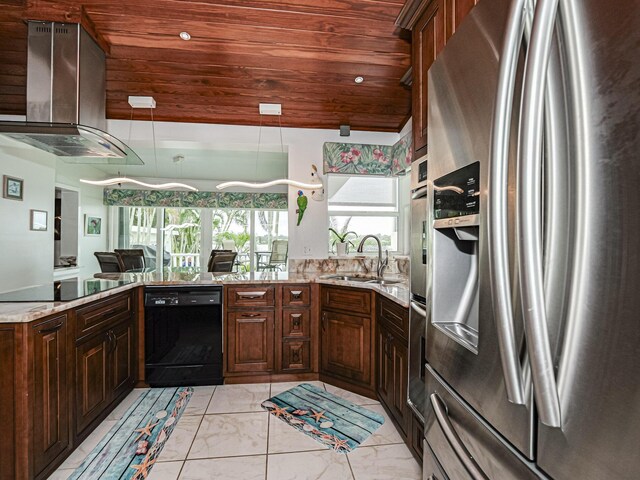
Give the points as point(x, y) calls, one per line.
point(66, 97)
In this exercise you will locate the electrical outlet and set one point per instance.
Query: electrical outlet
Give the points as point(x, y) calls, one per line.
point(307, 250)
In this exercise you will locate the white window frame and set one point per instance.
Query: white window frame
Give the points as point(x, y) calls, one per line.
point(355, 213)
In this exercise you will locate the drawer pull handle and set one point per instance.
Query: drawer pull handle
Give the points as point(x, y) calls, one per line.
point(469, 463)
point(251, 315)
point(251, 295)
point(296, 293)
point(51, 329)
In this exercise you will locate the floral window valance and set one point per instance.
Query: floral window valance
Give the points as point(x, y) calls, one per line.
point(364, 159)
point(170, 198)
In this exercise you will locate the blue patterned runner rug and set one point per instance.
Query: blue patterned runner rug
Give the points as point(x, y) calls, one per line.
point(132, 446)
point(327, 418)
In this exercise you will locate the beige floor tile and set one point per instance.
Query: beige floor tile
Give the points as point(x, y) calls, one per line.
point(284, 439)
point(318, 465)
point(199, 401)
point(277, 388)
point(78, 456)
point(350, 396)
point(385, 462)
point(227, 435)
point(239, 398)
point(181, 439)
point(386, 434)
point(165, 471)
point(237, 468)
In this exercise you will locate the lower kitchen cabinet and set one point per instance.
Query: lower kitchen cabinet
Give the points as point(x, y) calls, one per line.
point(346, 346)
point(415, 437)
point(392, 371)
point(250, 337)
point(51, 425)
point(104, 372)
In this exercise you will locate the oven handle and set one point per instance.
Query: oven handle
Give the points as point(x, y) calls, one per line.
point(469, 463)
point(419, 193)
point(418, 309)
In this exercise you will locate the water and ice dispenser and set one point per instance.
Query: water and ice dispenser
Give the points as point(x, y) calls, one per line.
point(456, 213)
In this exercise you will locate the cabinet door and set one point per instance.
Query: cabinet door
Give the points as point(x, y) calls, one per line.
point(456, 11)
point(250, 346)
point(51, 399)
point(346, 346)
point(397, 399)
point(428, 40)
point(122, 359)
point(384, 371)
point(92, 380)
point(8, 402)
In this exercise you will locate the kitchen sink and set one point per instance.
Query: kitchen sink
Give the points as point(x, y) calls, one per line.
point(377, 281)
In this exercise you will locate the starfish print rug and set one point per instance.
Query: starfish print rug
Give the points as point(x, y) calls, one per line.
point(333, 421)
point(130, 449)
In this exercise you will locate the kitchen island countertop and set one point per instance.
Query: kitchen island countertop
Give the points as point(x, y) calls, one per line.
point(29, 311)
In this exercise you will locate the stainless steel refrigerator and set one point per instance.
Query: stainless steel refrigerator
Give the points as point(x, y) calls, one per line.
point(533, 342)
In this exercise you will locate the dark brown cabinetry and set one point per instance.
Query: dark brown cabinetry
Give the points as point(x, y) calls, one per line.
point(250, 346)
point(432, 23)
point(392, 355)
point(428, 38)
point(51, 432)
point(60, 377)
point(104, 358)
point(269, 332)
point(346, 337)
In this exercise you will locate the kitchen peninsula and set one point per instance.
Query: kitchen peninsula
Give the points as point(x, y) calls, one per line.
point(70, 363)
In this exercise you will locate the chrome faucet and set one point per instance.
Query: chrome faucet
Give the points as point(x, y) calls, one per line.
point(382, 264)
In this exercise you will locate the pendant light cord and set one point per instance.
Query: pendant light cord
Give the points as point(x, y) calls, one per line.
point(153, 133)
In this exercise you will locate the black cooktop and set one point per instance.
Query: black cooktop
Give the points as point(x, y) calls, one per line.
point(62, 290)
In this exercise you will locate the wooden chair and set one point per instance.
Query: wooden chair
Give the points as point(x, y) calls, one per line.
point(109, 262)
point(279, 254)
point(221, 261)
point(130, 259)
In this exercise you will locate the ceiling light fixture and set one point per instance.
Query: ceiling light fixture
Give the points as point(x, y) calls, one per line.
point(358, 79)
point(185, 36)
point(150, 103)
point(272, 109)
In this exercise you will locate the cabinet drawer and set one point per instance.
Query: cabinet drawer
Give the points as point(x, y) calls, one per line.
point(296, 355)
point(97, 316)
point(248, 296)
point(296, 295)
point(295, 323)
point(394, 316)
point(350, 300)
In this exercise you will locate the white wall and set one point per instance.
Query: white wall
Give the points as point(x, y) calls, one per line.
point(27, 256)
point(309, 240)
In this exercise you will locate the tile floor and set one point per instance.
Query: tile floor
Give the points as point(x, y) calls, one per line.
point(225, 434)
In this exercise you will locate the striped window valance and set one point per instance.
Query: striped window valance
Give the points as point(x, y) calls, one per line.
point(366, 159)
point(171, 198)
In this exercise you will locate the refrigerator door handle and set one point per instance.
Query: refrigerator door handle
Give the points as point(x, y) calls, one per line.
point(529, 215)
point(418, 309)
point(497, 206)
point(469, 463)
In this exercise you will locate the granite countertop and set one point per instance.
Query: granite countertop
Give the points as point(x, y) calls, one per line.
point(29, 311)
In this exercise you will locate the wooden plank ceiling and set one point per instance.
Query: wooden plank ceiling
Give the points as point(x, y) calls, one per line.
point(304, 54)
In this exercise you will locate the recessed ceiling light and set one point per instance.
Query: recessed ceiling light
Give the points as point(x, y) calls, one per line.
point(185, 36)
point(358, 79)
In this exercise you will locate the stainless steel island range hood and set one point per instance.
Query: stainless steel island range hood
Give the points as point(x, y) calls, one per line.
point(66, 96)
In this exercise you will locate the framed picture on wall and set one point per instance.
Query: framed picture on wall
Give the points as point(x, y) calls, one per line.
point(39, 220)
point(12, 187)
point(92, 226)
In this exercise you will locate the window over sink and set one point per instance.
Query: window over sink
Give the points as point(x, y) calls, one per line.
point(369, 205)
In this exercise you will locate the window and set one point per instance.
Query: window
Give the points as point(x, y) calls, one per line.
point(367, 205)
point(181, 237)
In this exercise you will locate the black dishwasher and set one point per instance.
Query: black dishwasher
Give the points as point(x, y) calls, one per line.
point(183, 335)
